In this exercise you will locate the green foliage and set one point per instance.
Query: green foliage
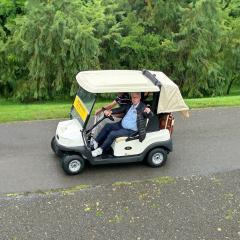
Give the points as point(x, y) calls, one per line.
point(199, 42)
point(230, 55)
point(45, 43)
point(165, 18)
point(53, 41)
point(9, 9)
point(2, 69)
point(138, 50)
point(110, 35)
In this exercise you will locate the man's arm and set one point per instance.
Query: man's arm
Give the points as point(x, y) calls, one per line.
point(107, 107)
point(115, 111)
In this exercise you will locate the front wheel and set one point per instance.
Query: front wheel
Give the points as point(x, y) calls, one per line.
point(157, 157)
point(73, 164)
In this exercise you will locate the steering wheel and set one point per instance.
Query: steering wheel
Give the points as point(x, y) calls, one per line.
point(111, 118)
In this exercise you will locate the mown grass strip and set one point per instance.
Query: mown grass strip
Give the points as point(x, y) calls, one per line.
point(226, 101)
point(13, 111)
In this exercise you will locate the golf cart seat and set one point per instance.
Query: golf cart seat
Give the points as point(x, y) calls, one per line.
point(152, 125)
point(120, 139)
point(133, 136)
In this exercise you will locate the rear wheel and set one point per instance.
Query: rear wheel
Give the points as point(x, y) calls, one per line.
point(157, 157)
point(73, 164)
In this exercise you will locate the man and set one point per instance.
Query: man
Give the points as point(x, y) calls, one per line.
point(133, 120)
point(121, 99)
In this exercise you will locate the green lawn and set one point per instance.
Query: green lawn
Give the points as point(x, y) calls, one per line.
point(213, 102)
point(13, 111)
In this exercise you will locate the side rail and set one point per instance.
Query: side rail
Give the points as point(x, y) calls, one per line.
point(152, 77)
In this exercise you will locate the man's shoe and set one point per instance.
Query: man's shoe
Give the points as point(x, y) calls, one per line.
point(93, 143)
point(97, 152)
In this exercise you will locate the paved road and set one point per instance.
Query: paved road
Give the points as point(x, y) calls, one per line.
point(207, 143)
point(164, 208)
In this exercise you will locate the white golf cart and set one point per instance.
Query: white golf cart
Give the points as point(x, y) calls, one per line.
point(72, 139)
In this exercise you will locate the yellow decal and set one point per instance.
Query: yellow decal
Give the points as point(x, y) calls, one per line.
point(80, 107)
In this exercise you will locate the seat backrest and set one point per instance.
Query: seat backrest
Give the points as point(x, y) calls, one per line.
point(153, 124)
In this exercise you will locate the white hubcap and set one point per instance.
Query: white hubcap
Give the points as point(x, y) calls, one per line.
point(157, 158)
point(74, 166)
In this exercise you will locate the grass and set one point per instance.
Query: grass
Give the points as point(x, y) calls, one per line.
point(13, 111)
point(213, 102)
point(225, 101)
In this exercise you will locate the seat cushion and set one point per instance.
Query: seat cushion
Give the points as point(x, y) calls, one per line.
point(120, 139)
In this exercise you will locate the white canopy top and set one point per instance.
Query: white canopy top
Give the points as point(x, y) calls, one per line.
point(107, 81)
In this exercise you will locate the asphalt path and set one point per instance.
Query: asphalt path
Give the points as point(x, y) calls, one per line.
point(204, 144)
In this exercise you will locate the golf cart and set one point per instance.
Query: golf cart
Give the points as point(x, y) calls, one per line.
point(72, 139)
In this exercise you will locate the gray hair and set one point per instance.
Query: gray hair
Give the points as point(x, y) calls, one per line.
point(136, 93)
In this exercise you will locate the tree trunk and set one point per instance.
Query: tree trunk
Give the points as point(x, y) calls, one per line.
point(229, 86)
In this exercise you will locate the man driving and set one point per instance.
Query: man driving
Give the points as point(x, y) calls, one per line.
point(134, 120)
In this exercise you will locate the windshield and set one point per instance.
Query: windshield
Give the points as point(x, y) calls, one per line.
point(82, 105)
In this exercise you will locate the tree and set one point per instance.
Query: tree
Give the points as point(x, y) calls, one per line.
point(3, 89)
point(53, 41)
point(109, 34)
point(9, 9)
point(44, 43)
point(199, 41)
point(231, 48)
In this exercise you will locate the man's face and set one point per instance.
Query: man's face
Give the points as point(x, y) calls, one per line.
point(135, 98)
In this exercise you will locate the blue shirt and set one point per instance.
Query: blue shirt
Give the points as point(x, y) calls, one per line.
point(130, 119)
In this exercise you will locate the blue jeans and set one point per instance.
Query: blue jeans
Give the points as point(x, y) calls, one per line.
point(110, 132)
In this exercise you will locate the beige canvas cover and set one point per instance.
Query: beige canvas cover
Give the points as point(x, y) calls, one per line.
point(170, 97)
point(107, 81)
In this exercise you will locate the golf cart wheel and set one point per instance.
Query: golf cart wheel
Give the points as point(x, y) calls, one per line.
point(72, 164)
point(157, 157)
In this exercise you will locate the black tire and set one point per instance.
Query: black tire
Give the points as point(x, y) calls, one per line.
point(73, 164)
point(57, 151)
point(157, 157)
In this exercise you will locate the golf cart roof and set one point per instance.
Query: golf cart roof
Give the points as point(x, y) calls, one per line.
point(113, 81)
point(108, 81)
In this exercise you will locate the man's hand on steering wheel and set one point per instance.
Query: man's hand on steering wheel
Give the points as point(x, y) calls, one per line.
point(108, 114)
